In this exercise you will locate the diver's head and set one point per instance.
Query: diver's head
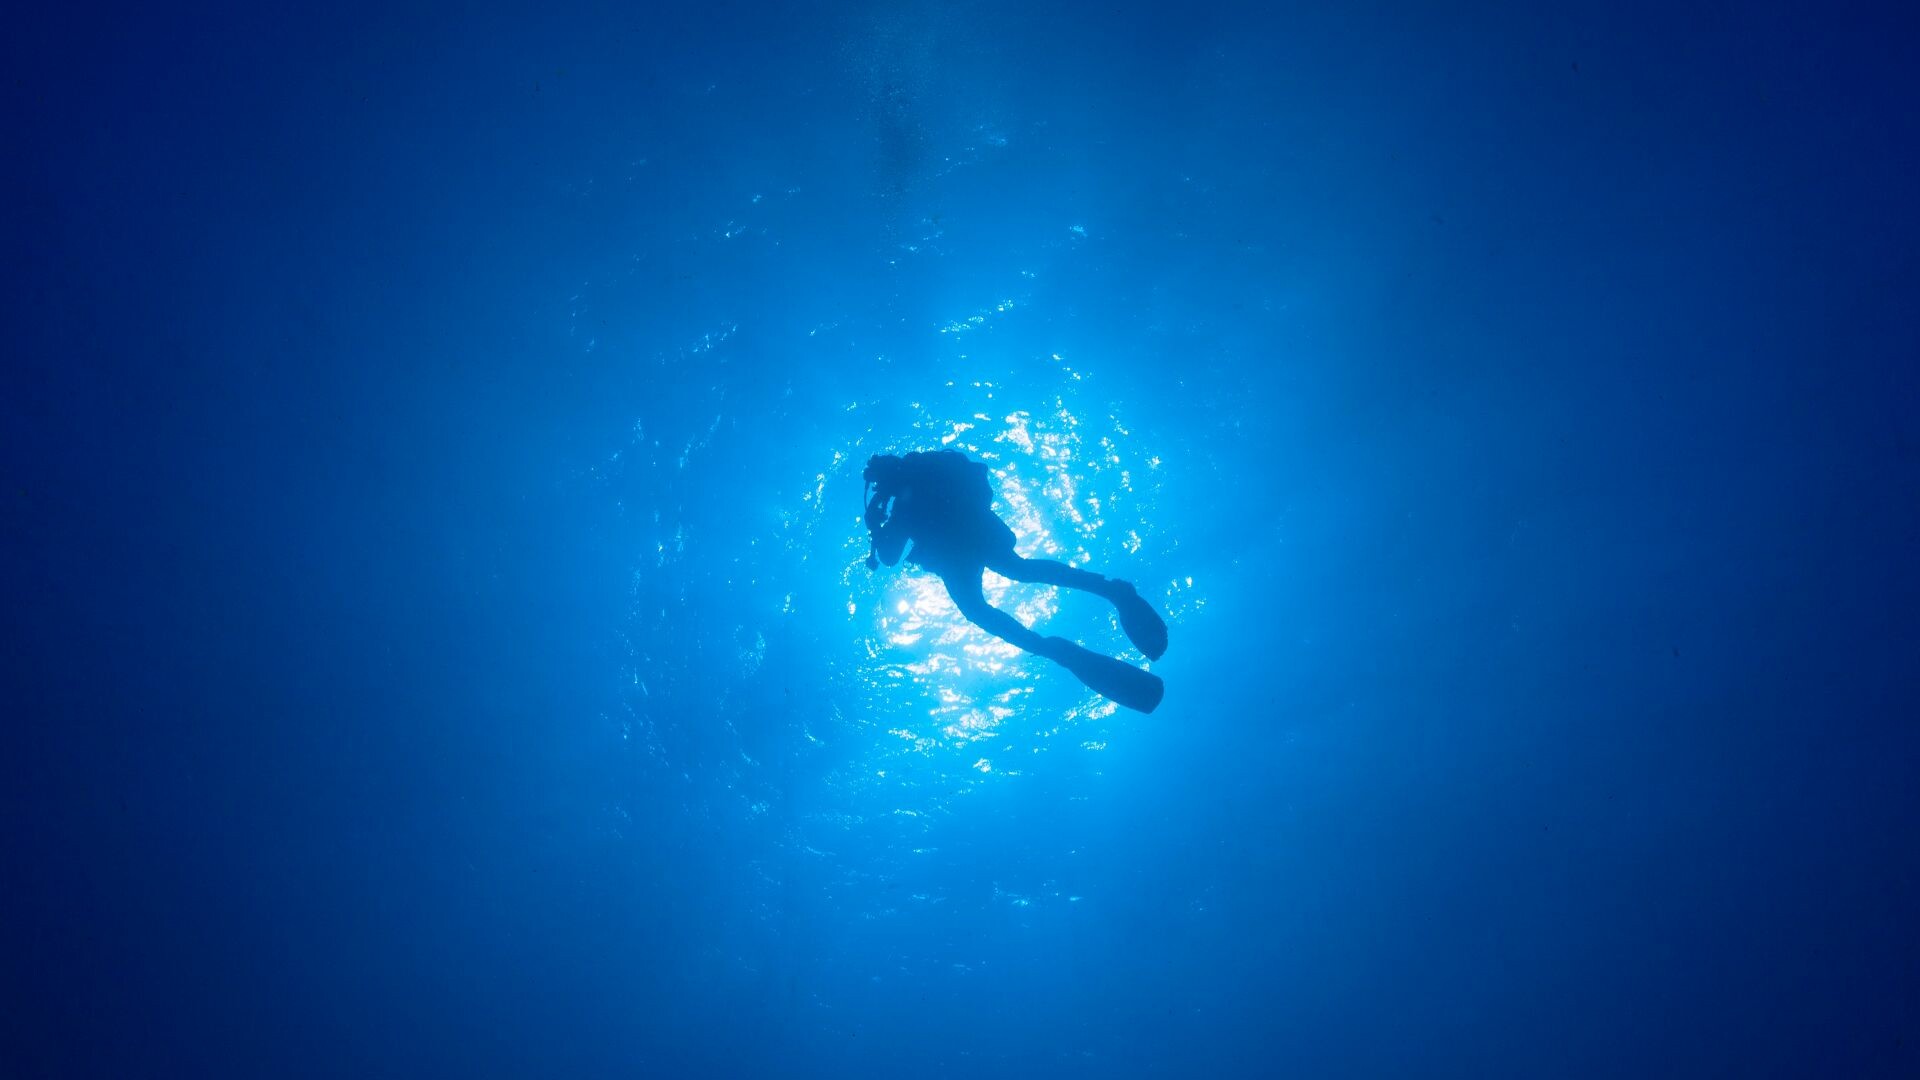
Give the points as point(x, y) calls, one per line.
point(881, 469)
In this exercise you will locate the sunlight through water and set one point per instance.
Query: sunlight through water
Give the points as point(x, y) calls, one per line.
point(943, 699)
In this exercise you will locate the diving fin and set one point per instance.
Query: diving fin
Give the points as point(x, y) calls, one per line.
point(1108, 677)
point(1142, 625)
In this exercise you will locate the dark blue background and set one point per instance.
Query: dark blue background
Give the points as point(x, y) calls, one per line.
point(1536, 386)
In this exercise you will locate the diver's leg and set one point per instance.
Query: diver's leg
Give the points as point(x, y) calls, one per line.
point(1049, 572)
point(964, 588)
point(1122, 682)
point(1142, 625)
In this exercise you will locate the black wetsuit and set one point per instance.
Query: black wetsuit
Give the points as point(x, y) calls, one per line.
point(943, 502)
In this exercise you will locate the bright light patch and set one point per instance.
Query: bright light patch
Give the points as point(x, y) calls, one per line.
point(1073, 490)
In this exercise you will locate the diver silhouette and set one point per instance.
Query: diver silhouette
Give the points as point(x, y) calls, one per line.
point(943, 503)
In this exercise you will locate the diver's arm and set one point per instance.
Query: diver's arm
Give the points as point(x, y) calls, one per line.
point(889, 542)
point(889, 532)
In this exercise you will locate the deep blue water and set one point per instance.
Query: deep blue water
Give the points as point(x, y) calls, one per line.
point(438, 644)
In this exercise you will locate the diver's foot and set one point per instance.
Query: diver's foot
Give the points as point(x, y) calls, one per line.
point(1142, 625)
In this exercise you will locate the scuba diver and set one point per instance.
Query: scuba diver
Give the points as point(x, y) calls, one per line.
point(942, 502)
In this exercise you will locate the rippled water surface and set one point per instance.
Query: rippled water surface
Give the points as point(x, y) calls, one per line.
point(433, 543)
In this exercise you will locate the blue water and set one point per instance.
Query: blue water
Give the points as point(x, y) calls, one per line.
point(439, 643)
